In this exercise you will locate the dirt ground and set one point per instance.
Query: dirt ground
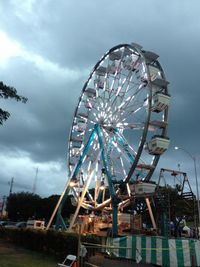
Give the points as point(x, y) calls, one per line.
point(14, 256)
point(9, 252)
point(102, 261)
point(7, 248)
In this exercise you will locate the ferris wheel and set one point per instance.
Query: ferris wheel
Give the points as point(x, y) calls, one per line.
point(119, 128)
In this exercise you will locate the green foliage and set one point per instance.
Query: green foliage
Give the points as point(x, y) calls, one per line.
point(21, 206)
point(12, 257)
point(46, 207)
point(51, 242)
point(179, 207)
point(5, 93)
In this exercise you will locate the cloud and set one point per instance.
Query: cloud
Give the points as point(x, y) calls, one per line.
point(47, 111)
point(47, 51)
point(38, 128)
point(8, 48)
point(19, 166)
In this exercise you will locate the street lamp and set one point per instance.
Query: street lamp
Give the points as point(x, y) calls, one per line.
point(195, 171)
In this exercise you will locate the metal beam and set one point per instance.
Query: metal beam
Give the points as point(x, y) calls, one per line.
point(110, 184)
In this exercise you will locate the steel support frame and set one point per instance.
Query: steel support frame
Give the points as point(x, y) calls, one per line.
point(59, 220)
point(123, 144)
point(96, 131)
point(110, 184)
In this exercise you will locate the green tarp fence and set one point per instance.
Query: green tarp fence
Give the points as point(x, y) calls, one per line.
point(156, 250)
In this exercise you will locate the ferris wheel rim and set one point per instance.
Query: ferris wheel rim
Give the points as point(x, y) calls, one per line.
point(145, 131)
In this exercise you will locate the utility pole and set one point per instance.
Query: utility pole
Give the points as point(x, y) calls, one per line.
point(4, 205)
point(11, 185)
point(35, 181)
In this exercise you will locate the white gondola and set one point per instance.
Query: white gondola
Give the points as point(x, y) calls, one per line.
point(159, 82)
point(75, 151)
point(160, 102)
point(115, 55)
point(82, 115)
point(89, 104)
point(157, 145)
point(127, 52)
point(130, 63)
point(143, 166)
point(154, 72)
point(135, 45)
point(142, 188)
point(150, 56)
point(76, 145)
point(114, 67)
point(90, 92)
point(80, 127)
point(99, 82)
point(158, 124)
point(76, 139)
point(101, 71)
point(72, 162)
point(77, 120)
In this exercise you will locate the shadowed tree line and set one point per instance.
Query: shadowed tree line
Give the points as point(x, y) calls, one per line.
point(24, 205)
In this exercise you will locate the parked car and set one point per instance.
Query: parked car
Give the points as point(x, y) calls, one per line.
point(10, 225)
point(13, 225)
point(21, 225)
point(3, 223)
point(36, 224)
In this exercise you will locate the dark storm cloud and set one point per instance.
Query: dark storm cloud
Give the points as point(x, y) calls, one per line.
point(40, 126)
point(75, 33)
point(62, 41)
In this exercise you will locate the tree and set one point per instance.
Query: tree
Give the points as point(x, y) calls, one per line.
point(48, 205)
point(8, 92)
point(21, 206)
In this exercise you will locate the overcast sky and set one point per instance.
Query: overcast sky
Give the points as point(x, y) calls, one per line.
point(47, 50)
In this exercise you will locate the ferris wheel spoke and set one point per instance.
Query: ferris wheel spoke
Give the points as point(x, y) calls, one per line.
point(121, 152)
point(125, 112)
point(130, 113)
point(128, 100)
point(127, 78)
point(113, 82)
point(123, 168)
point(133, 109)
point(117, 96)
point(115, 102)
point(124, 143)
point(119, 86)
point(115, 147)
point(129, 85)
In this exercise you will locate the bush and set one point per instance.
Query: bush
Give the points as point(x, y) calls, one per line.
point(58, 244)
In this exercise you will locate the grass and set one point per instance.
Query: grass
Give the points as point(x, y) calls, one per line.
point(12, 256)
